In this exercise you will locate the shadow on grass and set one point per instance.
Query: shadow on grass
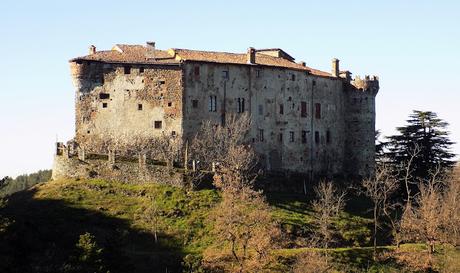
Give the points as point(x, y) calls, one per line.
point(42, 236)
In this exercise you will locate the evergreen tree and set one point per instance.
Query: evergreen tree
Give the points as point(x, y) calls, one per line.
point(427, 134)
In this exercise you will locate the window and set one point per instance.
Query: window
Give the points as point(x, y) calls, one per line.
point(240, 105)
point(173, 133)
point(157, 124)
point(313, 83)
point(139, 107)
point(261, 135)
point(261, 109)
point(127, 70)
point(104, 96)
point(303, 109)
point(195, 103)
point(293, 77)
point(196, 71)
point(291, 136)
point(161, 82)
point(104, 105)
point(304, 136)
point(280, 137)
point(169, 104)
point(317, 110)
point(212, 106)
point(225, 74)
point(281, 109)
point(316, 137)
point(141, 70)
point(328, 136)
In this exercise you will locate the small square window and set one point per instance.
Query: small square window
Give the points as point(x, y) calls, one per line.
point(141, 70)
point(104, 96)
point(173, 133)
point(293, 77)
point(104, 105)
point(127, 70)
point(139, 107)
point(225, 74)
point(158, 124)
point(161, 82)
point(195, 103)
point(169, 104)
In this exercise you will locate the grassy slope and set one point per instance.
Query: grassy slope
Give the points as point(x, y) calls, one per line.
point(47, 220)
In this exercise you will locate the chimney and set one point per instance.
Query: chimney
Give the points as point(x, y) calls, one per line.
point(303, 64)
point(151, 47)
point(251, 56)
point(335, 67)
point(92, 49)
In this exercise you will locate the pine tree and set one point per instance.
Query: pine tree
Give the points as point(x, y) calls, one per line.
point(427, 134)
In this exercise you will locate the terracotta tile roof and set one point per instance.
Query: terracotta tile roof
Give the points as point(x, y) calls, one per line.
point(142, 54)
point(129, 54)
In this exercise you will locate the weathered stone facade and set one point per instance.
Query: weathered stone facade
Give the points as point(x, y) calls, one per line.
point(303, 120)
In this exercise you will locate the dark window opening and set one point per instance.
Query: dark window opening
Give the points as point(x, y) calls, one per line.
point(316, 137)
point(157, 124)
point(104, 96)
point(88, 132)
point(195, 103)
point(280, 137)
point(290, 98)
point(173, 133)
point(293, 77)
point(304, 136)
point(127, 70)
point(303, 109)
point(240, 105)
point(139, 107)
point(196, 71)
point(225, 74)
point(317, 110)
point(261, 109)
point(104, 105)
point(328, 136)
point(281, 109)
point(141, 70)
point(313, 83)
point(169, 104)
point(291, 136)
point(162, 82)
point(212, 106)
point(261, 135)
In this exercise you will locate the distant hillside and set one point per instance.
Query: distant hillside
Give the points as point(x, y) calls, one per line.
point(9, 185)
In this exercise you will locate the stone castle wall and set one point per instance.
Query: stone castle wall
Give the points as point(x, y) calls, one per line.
point(129, 172)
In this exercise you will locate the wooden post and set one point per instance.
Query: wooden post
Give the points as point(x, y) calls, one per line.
point(193, 165)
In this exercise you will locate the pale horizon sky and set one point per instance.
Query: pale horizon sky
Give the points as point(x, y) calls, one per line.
point(413, 46)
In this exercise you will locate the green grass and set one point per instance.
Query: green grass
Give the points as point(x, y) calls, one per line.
point(46, 221)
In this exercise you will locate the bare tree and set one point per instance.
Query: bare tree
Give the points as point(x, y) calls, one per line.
point(245, 233)
point(408, 170)
point(328, 205)
point(312, 262)
point(151, 216)
point(379, 189)
point(213, 141)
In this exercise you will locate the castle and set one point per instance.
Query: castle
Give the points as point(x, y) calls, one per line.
point(303, 120)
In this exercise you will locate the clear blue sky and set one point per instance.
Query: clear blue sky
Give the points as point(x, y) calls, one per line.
point(413, 46)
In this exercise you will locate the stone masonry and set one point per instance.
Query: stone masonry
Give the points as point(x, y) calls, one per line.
point(303, 120)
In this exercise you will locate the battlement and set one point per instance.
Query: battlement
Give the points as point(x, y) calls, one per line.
point(369, 83)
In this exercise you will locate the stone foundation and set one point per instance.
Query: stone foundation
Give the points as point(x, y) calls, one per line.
point(124, 171)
